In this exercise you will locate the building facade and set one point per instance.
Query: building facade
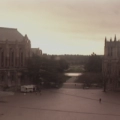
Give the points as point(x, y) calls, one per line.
point(15, 49)
point(111, 64)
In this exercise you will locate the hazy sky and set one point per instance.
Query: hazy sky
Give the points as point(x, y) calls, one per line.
point(63, 26)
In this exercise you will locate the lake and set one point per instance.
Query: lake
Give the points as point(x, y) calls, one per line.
point(72, 74)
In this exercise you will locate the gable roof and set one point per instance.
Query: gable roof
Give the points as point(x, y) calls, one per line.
point(10, 34)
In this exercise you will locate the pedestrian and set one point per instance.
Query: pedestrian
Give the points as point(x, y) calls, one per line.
point(100, 100)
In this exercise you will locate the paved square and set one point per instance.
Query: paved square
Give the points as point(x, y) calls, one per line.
point(61, 104)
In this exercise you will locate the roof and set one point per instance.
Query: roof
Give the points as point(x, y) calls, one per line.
point(36, 51)
point(10, 34)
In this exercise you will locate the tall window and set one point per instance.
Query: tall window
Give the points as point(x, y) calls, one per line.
point(21, 58)
point(118, 52)
point(2, 58)
point(108, 68)
point(12, 58)
point(6, 61)
point(108, 51)
point(111, 51)
point(15, 61)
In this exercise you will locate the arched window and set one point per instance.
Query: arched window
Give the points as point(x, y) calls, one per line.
point(12, 58)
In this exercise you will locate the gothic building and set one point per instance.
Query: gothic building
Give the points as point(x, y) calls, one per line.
point(111, 64)
point(15, 49)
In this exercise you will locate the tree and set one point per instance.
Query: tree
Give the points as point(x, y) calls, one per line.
point(63, 65)
point(45, 70)
point(34, 65)
point(94, 64)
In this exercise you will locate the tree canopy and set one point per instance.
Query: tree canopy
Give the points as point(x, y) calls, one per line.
point(94, 63)
point(45, 70)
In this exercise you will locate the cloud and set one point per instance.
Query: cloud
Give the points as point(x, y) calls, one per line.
point(55, 21)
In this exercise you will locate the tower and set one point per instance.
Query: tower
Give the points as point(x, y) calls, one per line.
point(111, 63)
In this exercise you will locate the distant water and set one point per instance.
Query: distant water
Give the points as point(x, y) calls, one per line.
point(73, 74)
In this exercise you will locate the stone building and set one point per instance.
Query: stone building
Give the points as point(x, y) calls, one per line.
point(111, 64)
point(15, 49)
point(36, 51)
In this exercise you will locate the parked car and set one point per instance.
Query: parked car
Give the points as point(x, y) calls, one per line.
point(28, 88)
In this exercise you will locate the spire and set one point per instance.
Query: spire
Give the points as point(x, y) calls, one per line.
point(115, 38)
point(26, 36)
point(105, 39)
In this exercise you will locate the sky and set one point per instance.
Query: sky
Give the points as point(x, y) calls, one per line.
point(64, 26)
